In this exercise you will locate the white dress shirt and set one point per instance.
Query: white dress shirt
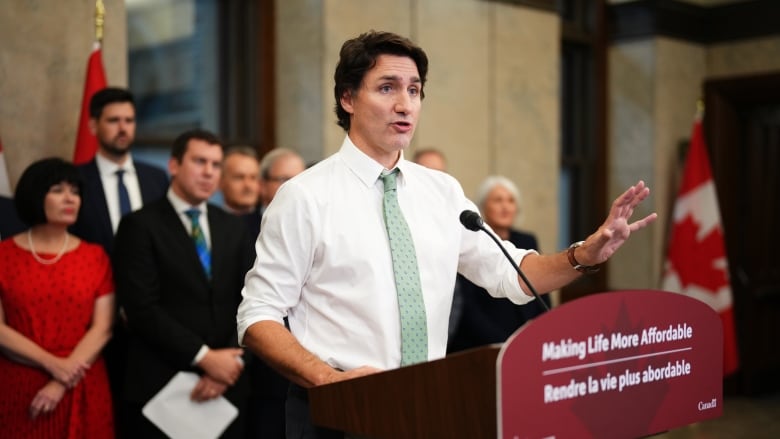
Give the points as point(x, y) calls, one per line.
point(323, 259)
point(108, 177)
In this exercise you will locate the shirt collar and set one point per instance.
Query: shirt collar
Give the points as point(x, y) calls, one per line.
point(180, 205)
point(107, 167)
point(367, 169)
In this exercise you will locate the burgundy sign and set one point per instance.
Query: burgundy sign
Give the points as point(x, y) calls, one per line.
point(623, 365)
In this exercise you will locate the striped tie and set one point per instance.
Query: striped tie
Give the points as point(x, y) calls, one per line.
point(200, 240)
point(414, 329)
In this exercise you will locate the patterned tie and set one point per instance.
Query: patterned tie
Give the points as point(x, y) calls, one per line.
point(124, 197)
point(200, 241)
point(414, 329)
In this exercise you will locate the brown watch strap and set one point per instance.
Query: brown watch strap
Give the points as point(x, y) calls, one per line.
point(585, 269)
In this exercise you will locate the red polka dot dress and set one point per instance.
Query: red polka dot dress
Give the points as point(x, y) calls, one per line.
point(52, 305)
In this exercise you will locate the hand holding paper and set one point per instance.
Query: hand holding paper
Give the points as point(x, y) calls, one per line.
point(178, 416)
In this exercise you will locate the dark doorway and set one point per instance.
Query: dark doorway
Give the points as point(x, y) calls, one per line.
point(742, 125)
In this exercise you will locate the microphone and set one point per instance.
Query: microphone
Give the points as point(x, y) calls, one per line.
point(472, 221)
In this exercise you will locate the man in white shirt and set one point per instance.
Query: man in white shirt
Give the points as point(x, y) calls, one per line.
point(324, 258)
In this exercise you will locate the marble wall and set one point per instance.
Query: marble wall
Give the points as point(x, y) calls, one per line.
point(46, 45)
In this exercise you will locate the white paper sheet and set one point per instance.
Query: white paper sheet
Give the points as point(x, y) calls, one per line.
point(173, 412)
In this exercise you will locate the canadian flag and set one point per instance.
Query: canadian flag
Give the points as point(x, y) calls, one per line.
point(696, 263)
point(86, 142)
point(5, 184)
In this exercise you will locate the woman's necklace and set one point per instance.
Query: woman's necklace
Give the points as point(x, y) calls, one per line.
point(42, 260)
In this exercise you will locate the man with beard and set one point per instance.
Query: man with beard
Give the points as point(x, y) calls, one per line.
point(114, 185)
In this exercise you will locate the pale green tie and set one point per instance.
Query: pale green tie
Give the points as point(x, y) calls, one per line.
point(414, 328)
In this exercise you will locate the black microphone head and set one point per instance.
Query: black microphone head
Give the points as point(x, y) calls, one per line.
point(471, 220)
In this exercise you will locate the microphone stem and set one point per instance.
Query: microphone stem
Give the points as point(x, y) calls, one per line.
point(517, 268)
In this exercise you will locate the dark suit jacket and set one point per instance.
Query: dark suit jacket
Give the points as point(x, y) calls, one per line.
point(252, 221)
point(94, 222)
point(172, 308)
point(486, 319)
point(10, 224)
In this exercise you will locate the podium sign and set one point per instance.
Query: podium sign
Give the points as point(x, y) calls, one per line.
point(622, 364)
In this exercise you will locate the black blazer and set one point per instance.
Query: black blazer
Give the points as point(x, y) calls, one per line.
point(94, 222)
point(172, 308)
point(485, 319)
point(10, 224)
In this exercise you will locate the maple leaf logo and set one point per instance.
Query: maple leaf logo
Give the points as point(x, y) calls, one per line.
point(695, 261)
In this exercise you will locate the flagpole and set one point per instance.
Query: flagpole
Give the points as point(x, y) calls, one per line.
point(100, 14)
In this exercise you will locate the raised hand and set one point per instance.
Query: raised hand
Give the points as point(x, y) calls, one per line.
point(616, 229)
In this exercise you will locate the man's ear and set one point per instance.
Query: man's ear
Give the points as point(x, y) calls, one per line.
point(173, 166)
point(93, 126)
point(346, 102)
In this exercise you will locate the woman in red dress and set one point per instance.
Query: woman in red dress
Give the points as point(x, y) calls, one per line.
point(56, 310)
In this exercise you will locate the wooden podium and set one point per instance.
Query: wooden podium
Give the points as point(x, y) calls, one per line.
point(622, 365)
point(454, 397)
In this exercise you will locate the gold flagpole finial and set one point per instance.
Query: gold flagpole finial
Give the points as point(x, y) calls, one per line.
point(100, 13)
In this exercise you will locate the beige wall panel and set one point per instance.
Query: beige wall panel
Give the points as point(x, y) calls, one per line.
point(525, 115)
point(746, 57)
point(42, 69)
point(632, 111)
point(456, 116)
point(300, 109)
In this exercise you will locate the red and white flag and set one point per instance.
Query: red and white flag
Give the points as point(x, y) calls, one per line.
point(5, 184)
point(86, 142)
point(696, 263)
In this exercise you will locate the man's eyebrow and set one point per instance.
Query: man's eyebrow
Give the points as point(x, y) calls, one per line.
point(415, 79)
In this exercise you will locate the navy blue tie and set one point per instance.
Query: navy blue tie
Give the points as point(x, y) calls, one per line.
point(124, 197)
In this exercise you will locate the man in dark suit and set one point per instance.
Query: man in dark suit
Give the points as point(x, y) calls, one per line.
point(180, 291)
point(112, 120)
point(10, 224)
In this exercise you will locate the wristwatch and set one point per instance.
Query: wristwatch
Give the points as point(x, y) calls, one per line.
point(585, 269)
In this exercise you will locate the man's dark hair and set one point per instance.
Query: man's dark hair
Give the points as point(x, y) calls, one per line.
point(179, 147)
point(34, 184)
point(108, 95)
point(359, 55)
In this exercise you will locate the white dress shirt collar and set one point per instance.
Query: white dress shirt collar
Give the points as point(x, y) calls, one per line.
point(365, 168)
point(108, 168)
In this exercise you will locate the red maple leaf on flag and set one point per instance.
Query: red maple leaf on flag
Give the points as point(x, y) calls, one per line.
point(694, 260)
